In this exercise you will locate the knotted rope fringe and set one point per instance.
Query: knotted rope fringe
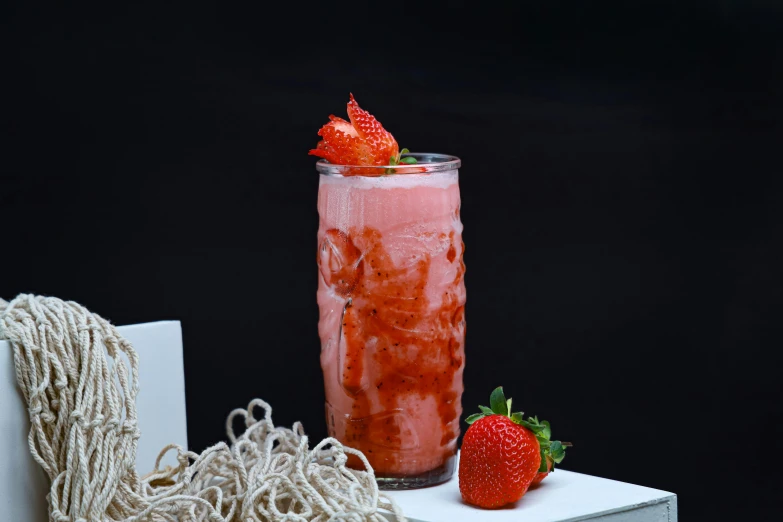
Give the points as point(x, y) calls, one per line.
point(81, 398)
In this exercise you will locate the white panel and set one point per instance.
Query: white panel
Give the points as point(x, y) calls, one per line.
point(160, 403)
point(161, 410)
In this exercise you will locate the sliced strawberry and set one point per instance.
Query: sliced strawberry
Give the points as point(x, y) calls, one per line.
point(362, 141)
point(382, 142)
point(341, 144)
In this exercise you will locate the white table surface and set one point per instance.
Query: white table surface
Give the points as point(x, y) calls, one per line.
point(562, 496)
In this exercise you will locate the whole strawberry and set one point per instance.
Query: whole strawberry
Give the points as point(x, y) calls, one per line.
point(552, 451)
point(502, 454)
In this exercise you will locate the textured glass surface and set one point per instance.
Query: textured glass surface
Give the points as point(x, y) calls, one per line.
point(391, 297)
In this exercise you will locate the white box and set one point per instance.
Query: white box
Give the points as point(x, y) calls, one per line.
point(161, 414)
point(563, 496)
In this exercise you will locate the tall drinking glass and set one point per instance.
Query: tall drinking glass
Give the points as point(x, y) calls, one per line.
point(392, 325)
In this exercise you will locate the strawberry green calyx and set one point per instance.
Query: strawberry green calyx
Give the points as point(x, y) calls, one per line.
point(399, 160)
point(552, 451)
point(498, 406)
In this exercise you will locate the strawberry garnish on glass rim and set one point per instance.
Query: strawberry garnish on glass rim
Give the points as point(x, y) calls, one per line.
point(362, 141)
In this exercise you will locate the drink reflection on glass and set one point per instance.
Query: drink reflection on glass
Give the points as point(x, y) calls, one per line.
point(391, 297)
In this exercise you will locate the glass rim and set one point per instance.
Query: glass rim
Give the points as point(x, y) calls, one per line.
point(426, 163)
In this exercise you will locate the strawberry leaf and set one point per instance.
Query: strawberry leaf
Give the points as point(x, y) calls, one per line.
point(557, 451)
point(517, 417)
point(486, 411)
point(409, 160)
point(535, 427)
point(497, 401)
point(552, 451)
point(543, 468)
point(547, 433)
point(473, 418)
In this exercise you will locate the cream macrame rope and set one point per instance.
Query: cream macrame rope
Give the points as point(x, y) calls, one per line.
point(81, 398)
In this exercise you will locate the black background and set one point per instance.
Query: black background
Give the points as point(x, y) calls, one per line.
point(620, 191)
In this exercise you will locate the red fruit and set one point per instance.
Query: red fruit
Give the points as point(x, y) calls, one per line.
point(503, 454)
point(363, 141)
point(541, 475)
point(498, 461)
point(372, 132)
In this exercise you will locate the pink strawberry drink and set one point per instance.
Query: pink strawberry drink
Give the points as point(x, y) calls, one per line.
point(391, 298)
